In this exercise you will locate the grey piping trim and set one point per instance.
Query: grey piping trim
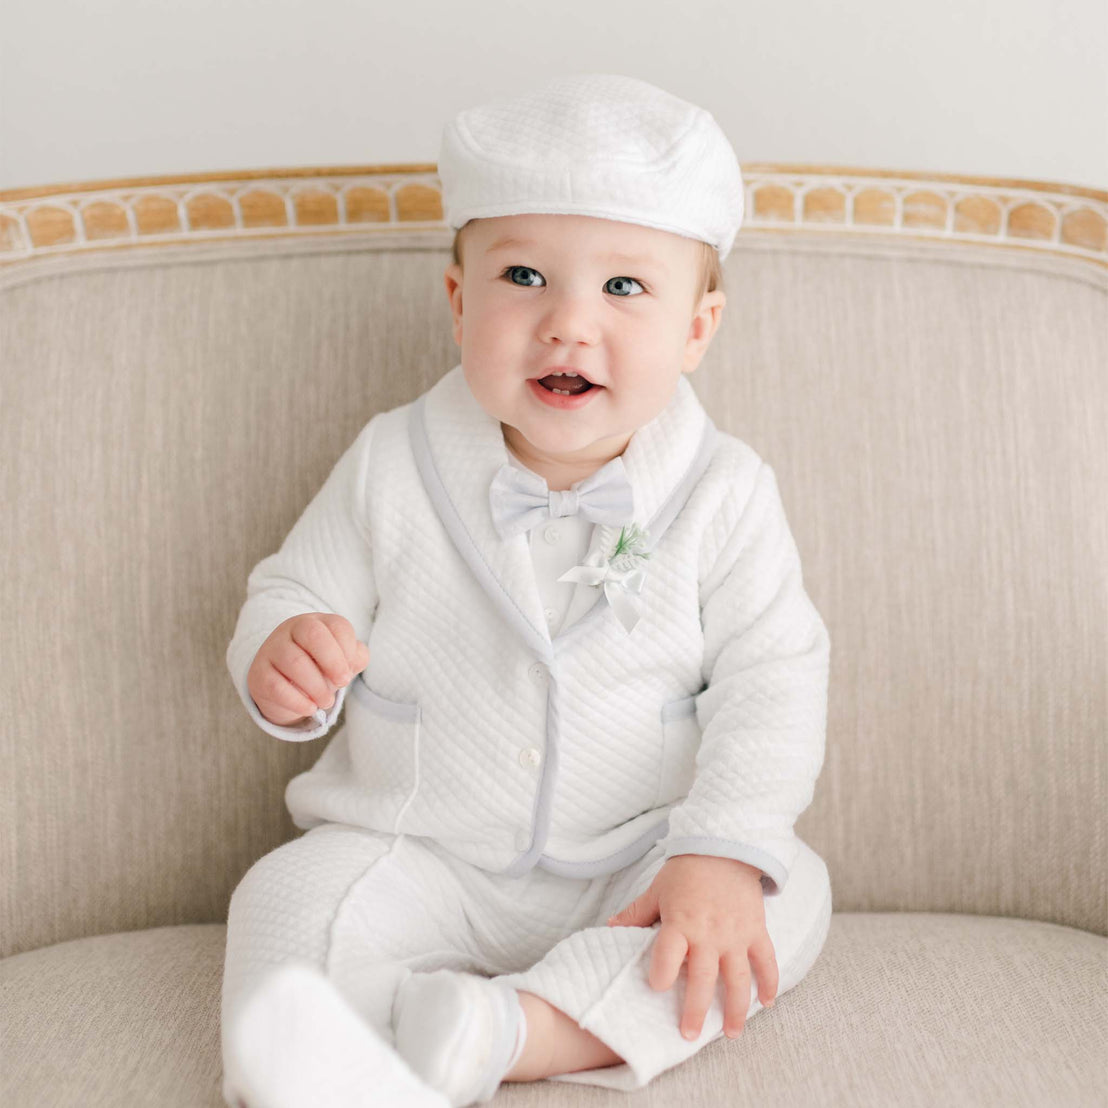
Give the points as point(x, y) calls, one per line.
point(392, 709)
point(619, 860)
point(727, 848)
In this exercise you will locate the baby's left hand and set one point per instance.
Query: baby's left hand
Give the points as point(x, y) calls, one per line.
point(712, 909)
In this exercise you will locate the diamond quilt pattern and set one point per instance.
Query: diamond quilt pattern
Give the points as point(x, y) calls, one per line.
point(586, 117)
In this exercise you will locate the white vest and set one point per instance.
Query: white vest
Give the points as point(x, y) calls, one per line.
point(704, 726)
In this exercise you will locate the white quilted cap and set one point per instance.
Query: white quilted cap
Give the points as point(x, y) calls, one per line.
point(594, 144)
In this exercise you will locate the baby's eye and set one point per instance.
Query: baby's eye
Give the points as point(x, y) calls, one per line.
point(622, 282)
point(513, 269)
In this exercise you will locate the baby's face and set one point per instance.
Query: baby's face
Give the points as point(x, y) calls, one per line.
point(613, 300)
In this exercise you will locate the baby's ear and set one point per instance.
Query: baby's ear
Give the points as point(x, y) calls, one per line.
point(452, 279)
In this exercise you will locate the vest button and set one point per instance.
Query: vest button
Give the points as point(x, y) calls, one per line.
point(530, 757)
point(550, 533)
point(537, 673)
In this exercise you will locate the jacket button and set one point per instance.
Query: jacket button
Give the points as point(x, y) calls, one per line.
point(529, 757)
point(537, 673)
point(523, 840)
point(550, 533)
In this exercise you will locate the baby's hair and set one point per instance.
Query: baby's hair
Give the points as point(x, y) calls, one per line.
point(711, 272)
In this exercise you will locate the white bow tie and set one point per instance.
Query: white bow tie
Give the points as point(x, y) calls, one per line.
point(520, 499)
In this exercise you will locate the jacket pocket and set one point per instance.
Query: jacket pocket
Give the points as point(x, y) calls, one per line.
point(384, 749)
point(680, 742)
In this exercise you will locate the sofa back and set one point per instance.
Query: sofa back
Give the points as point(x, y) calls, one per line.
point(934, 406)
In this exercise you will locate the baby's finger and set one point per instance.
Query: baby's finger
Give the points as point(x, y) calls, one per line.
point(300, 669)
point(763, 958)
point(701, 988)
point(279, 692)
point(735, 969)
point(670, 948)
point(317, 639)
point(343, 630)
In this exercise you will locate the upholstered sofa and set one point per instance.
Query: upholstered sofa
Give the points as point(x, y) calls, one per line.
point(924, 361)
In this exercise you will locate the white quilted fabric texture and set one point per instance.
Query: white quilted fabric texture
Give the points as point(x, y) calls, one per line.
point(587, 116)
point(596, 144)
point(703, 729)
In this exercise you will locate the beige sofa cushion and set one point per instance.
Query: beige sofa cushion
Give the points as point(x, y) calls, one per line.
point(907, 1009)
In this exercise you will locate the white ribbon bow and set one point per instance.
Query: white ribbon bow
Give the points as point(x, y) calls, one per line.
point(619, 571)
point(520, 499)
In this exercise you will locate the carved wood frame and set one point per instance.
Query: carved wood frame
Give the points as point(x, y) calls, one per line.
point(1012, 214)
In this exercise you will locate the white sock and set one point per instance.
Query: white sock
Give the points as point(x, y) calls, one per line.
point(295, 1041)
point(460, 1032)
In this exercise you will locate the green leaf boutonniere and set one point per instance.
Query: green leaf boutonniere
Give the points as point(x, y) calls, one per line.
point(629, 547)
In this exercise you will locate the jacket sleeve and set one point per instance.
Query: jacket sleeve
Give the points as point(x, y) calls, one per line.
point(324, 565)
point(763, 712)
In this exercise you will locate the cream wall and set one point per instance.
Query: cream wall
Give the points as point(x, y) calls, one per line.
point(134, 87)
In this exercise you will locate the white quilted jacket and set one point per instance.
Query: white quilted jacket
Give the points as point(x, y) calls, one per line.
point(704, 726)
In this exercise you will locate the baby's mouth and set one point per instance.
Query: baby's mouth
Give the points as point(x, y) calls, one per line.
point(565, 384)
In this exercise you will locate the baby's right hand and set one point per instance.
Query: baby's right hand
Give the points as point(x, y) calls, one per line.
point(302, 664)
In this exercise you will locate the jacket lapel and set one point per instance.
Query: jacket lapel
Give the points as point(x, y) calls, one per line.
point(458, 448)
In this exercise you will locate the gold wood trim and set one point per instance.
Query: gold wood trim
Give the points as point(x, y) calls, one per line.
point(1021, 215)
point(920, 175)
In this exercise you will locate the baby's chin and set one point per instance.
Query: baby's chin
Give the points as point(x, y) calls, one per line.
point(566, 445)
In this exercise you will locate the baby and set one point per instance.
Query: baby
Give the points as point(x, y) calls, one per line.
point(554, 835)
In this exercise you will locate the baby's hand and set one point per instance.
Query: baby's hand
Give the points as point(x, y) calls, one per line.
point(711, 908)
point(302, 664)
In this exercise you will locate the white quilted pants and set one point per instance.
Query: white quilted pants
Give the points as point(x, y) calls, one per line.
point(368, 908)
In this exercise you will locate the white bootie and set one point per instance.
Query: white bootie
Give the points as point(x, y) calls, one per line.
point(460, 1032)
point(295, 1042)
